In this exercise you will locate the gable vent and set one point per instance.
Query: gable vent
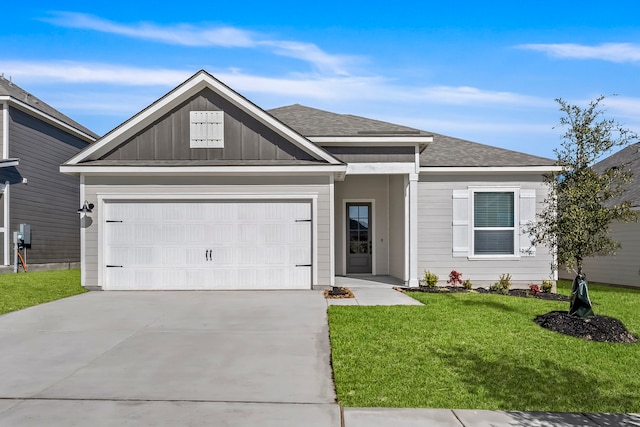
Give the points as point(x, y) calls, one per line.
point(207, 129)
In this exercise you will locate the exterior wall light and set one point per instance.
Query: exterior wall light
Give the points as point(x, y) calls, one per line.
point(86, 208)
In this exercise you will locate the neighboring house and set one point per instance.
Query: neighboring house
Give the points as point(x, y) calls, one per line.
point(34, 140)
point(624, 267)
point(205, 190)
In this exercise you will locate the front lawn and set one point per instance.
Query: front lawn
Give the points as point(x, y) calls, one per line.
point(23, 290)
point(479, 351)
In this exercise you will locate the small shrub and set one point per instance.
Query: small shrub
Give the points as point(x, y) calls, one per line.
point(534, 289)
point(503, 284)
point(467, 284)
point(455, 278)
point(430, 279)
point(547, 286)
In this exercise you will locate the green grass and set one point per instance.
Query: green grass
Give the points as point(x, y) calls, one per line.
point(21, 290)
point(478, 351)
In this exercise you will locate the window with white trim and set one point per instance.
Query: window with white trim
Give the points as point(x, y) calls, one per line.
point(206, 129)
point(490, 222)
point(493, 223)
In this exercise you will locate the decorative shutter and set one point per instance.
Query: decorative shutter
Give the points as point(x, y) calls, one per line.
point(527, 216)
point(461, 223)
point(206, 129)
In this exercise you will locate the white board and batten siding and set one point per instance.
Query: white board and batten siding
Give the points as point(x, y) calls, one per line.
point(174, 245)
point(444, 221)
point(266, 232)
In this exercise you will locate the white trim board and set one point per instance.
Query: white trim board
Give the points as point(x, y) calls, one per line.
point(199, 170)
point(490, 169)
point(46, 117)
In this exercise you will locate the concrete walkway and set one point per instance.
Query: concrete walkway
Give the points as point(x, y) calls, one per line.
point(372, 290)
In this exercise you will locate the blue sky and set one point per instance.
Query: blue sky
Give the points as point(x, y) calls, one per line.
point(488, 72)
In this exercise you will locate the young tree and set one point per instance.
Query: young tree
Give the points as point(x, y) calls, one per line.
point(575, 221)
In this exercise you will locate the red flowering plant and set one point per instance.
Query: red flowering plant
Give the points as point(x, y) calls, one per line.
point(455, 278)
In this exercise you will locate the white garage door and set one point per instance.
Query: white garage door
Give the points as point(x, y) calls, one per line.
point(207, 245)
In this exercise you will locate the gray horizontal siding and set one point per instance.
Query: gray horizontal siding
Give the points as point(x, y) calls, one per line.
point(435, 232)
point(244, 137)
point(50, 199)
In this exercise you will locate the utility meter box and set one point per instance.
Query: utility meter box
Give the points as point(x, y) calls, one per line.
point(25, 234)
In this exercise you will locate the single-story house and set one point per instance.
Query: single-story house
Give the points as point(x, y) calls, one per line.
point(34, 140)
point(623, 268)
point(205, 190)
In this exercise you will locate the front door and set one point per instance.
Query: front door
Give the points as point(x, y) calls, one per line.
point(359, 238)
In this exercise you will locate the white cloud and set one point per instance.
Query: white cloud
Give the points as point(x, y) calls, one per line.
point(82, 72)
point(185, 35)
point(208, 36)
point(613, 52)
point(465, 95)
point(300, 86)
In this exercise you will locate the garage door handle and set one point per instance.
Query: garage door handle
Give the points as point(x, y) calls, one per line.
point(303, 220)
point(118, 266)
point(303, 265)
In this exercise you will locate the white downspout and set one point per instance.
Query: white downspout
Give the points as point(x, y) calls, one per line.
point(83, 269)
point(5, 199)
point(332, 232)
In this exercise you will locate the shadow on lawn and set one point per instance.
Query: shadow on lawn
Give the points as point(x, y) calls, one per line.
point(546, 385)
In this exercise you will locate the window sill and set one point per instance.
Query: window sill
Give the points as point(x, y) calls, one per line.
point(494, 258)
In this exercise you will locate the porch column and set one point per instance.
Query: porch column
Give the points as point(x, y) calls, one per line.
point(411, 229)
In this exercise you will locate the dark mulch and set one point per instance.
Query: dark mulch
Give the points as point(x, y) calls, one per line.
point(594, 328)
point(512, 292)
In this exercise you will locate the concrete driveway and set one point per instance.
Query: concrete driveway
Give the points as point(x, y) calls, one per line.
point(167, 359)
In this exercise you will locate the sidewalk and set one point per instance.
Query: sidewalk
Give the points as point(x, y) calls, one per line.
point(401, 417)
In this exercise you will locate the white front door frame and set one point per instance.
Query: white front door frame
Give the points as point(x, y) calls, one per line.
point(344, 233)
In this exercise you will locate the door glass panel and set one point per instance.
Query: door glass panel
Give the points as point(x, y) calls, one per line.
point(353, 212)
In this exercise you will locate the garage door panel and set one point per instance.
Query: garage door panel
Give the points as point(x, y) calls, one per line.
point(208, 245)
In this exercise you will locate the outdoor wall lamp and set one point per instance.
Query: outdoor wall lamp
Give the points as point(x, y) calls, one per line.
point(86, 208)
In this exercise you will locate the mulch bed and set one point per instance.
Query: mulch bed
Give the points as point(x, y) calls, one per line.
point(512, 292)
point(594, 328)
point(338, 292)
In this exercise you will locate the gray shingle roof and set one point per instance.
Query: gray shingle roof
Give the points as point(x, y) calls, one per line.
point(444, 151)
point(311, 122)
point(8, 88)
point(628, 157)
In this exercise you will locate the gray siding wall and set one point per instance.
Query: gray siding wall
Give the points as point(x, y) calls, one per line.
point(621, 269)
point(230, 186)
point(50, 199)
point(364, 188)
point(396, 227)
point(245, 138)
point(373, 154)
point(435, 235)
